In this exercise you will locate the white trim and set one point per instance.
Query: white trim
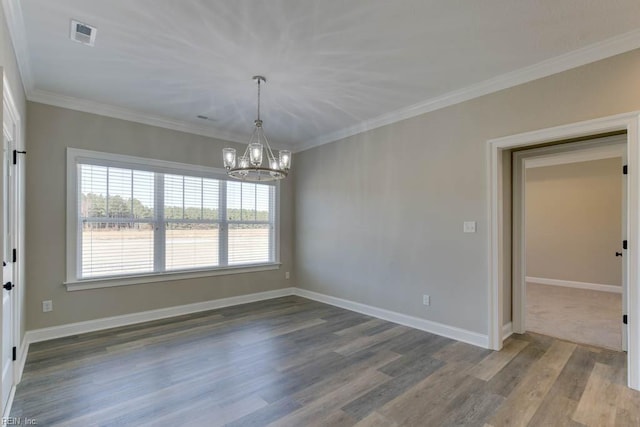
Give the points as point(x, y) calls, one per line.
point(452, 332)
point(594, 52)
point(588, 54)
point(17, 32)
point(629, 122)
point(122, 113)
point(7, 409)
point(581, 155)
point(70, 329)
point(507, 331)
point(577, 285)
point(73, 283)
point(17, 200)
point(83, 285)
point(19, 369)
point(23, 351)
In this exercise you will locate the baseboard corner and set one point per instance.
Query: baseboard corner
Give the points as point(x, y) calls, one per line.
point(459, 334)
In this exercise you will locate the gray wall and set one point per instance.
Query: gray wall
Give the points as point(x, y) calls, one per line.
point(379, 215)
point(574, 221)
point(51, 130)
point(9, 67)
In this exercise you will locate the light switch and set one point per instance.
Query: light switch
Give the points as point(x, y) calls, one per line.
point(469, 227)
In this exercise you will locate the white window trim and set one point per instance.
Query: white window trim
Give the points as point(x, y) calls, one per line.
point(81, 285)
point(72, 282)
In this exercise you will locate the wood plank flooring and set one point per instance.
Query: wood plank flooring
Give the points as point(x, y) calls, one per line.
point(295, 362)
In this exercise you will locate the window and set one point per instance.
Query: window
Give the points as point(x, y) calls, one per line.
point(130, 216)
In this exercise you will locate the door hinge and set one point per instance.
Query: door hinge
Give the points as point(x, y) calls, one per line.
point(15, 156)
point(624, 244)
point(15, 255)
point(624, 319)
point(624, 170)
point(15, 353)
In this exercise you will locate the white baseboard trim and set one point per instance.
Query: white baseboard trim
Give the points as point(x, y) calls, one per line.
point(452, 332)
point(22, 359)
point(45, 334)
point(18, 369)
point(54, 332)
point(507, 331)
point(577, 285)
point(7, 409)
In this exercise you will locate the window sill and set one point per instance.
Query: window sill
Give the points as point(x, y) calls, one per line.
point(82, 285)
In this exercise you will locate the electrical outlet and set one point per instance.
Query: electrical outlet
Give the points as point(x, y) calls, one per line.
point(287, 275)
point(47, 306)
point(469, 227)
point(426, 300)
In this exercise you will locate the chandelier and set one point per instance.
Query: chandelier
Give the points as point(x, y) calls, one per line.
point(249, 166)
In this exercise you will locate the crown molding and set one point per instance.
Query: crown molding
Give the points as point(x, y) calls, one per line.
point(588, 54)
point(15, 24)
point(108, 110)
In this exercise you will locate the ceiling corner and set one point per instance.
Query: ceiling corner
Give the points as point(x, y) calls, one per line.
point(15, 24)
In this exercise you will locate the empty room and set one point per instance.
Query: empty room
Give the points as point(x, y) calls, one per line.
point(320, 213)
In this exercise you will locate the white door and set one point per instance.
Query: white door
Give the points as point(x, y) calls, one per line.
point(8, 339)
point(625, 258)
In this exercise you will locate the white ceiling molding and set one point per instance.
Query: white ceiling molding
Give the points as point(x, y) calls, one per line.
point(592, 53)
point(108, 110)
point(15, 23)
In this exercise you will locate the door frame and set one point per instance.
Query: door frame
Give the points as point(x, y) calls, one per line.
point(595, 149)
point(629, 122)
point(18, 211)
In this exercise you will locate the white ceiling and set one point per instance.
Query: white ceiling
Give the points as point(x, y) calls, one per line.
point(332, 65)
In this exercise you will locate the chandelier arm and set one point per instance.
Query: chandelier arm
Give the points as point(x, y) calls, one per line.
point(269, 152)
point(246, 150)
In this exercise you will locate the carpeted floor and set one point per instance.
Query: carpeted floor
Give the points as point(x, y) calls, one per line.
point(578, 315)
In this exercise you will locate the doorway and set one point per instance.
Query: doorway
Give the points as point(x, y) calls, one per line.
point(569, 208)
point(499, 301)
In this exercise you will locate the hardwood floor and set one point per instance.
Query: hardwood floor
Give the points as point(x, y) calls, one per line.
point(295, 362)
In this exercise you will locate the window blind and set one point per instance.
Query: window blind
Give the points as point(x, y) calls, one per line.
point(139, 220)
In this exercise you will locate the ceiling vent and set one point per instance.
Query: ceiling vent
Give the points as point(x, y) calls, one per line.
point(83, 33)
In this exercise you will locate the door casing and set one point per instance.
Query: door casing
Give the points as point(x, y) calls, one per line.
point(629, 123)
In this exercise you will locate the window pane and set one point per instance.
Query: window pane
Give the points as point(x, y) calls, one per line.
point(264, 202)
point(192, 197)
point(234, 200)
point(210, 191)
point(249, 243)
point(93, 188)
point(119, 193)
point(248, 202)
point(143, 194)
point(191, 246)
point(116, 249)
point(173, 197)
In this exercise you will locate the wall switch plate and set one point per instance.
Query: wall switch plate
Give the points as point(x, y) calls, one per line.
point(426, 300)
point(469, 227)
point(287, 275)
point(47, 306)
